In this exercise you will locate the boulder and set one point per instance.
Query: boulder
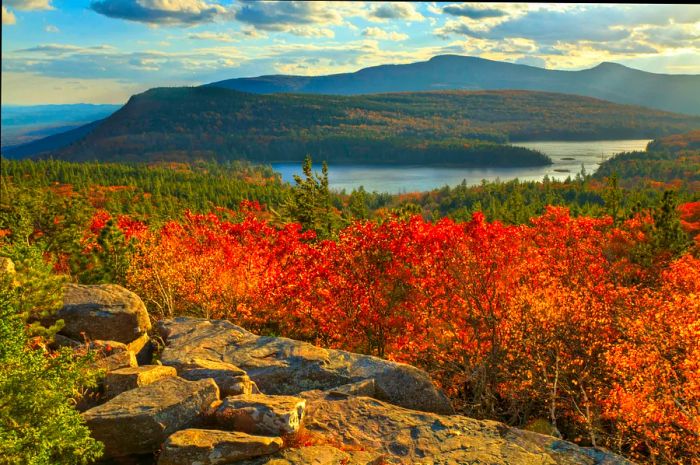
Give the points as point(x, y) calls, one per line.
point(405, 436)
point(261, 414)
point(232, 381)
point(125, 379)
point(123, 359)
point(211, 447)
point(285, 366)
point(139, 420)
point(105, 311)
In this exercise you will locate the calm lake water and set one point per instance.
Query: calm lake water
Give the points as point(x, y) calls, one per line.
point(567, 157)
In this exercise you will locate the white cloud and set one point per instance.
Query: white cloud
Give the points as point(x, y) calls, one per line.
point(155, 12)
point(8, 17)
point(28, 5)
point(306, 31)
point(395, 10)
point(381, 34)
point(214, 36)
point(51, 28)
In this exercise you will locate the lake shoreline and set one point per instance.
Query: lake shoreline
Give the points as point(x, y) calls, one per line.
point(567, 160)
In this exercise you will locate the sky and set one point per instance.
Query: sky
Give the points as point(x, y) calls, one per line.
point(104, 51)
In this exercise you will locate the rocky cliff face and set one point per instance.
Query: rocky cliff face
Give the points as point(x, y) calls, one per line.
point(219, 394)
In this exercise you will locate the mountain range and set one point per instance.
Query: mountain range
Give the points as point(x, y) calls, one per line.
point(607, 81)
point(441, 102)
point(469, 128)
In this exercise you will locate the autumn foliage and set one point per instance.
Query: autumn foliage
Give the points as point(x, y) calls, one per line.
point(555, 320)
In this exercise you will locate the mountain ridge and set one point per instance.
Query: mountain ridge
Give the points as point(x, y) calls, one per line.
point(468, 128)
point(679, 93)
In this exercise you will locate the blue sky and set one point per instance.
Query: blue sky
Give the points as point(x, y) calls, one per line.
point(103, 51)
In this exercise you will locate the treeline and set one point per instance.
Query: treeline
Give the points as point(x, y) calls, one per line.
point(468, 128)
point(673, 160)
point(158, 189)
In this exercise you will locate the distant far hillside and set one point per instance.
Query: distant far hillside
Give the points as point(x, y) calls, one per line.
point(608, 81)
point(22, 124)
point(456, 127)
point(670, 161)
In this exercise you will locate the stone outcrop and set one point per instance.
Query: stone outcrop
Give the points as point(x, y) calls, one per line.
point(139, 420)
point(329, 406)
point(285, 366)
point(126, 379)
point(261, 414)
point(105, 311)
point(213, 447)
point(319, 455)
point(405, 436)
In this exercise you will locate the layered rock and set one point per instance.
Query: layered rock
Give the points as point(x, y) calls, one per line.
point(285, 366)
point(139, 420)
point(125, 379)
point(213, 447)
point(261, 414)
point(105, 312)
point(319, 455)
point(231, 380)
point(405, 436)
point(124, 359)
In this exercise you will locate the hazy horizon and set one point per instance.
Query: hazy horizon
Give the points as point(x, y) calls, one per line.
point(52, 55)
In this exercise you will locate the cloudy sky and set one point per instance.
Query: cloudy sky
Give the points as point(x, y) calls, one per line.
point(103, 51)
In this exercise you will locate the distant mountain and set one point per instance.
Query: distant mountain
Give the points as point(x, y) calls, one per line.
point(607, 81)
point(449, 127)
point(51, 143)
point(22, 124)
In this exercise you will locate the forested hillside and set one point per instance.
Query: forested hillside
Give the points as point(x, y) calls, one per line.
point(465, 128)
point(672, 160)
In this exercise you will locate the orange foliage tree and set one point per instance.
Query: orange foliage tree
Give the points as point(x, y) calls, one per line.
point(553, 320)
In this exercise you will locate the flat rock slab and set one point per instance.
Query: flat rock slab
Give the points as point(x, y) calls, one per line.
point(139, 420)
point(104, 311)
point(318, 455)
point(285, 366)
point(232, 381)
point(212, 447)
point(409, 437)
point(261, 414)
point(125, 359)
point(125, 379)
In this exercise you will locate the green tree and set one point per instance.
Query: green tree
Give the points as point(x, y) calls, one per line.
point(310, 201)
point(38, 422)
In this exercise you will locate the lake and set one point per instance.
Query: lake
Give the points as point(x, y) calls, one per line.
point(567, 157)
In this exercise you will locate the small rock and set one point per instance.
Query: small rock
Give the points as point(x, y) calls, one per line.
point(125, 379)
point(261, 414)
point(142, 348)
point(232, 381)
point(124, 359)
point(210, 447)
point(107, 348)
point(139, 420)
point(361, 388)
point(105, 311)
